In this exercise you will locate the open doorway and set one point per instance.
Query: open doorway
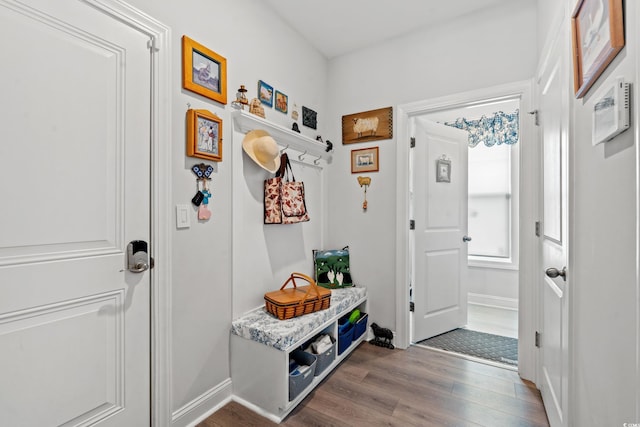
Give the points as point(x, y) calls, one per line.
point(529, 212)
point(492, 277)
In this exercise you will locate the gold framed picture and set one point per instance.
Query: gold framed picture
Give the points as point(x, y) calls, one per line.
point(203, 71)
point(204, 135)
point(598, 36)
point(364, 160)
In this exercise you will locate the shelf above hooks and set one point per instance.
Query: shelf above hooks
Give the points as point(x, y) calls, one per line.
point(246, 122)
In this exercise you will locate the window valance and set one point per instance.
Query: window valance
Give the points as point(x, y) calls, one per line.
point(496, 129)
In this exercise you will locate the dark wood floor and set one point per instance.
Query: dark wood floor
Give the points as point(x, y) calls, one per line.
point(375, 386)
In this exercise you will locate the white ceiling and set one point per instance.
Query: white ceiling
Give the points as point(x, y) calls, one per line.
point(336, 27)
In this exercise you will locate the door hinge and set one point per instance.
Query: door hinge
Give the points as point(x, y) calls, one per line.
point(412, 306)
point(151, 45)
point(538, 228)
point(412, 143)
point(536, 120)
point(537, 339)
point(412, 224)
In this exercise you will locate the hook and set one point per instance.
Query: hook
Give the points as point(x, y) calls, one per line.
point(302, 155)
point(317, 161)
point(284, 149)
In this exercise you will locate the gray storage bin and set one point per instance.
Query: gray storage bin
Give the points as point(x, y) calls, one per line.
point(298, 382)
point(325, 359)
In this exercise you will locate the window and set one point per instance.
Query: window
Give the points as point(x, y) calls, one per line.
point(490, 201)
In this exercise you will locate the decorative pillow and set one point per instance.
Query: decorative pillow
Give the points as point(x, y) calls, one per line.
point(332, 268)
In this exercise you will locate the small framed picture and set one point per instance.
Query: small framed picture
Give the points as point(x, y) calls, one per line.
point(364, 160)
point(309, 118)
point(204, 135)
point(443, 170)
point(203, 71)
point(265, 93)
point(282, 102)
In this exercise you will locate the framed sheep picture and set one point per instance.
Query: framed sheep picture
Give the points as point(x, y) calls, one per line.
point(371, 125)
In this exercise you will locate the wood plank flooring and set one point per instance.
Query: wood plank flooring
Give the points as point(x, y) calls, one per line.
point(376, 386)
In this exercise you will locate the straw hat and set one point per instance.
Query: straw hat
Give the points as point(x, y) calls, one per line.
point(262, 148)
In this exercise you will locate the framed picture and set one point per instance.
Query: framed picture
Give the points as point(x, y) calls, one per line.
point(364, 160)
point(204, 135)
point(282, 102)
point(203, 71)
point(309, 117)
point(598, 36)
point(367, 126)
point(443, 170)
point(265, 93)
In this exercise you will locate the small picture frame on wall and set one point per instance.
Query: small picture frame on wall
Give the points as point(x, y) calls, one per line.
point(443, 170)
point(203, 71)
point(265, 93)
point(204, 135)
point(597, 28)
point(364, 160)
point(282, 102)
point(309, 117)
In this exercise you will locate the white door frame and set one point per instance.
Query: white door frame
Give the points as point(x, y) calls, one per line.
point(161, 213)
point(636, 130)
point(529, 212)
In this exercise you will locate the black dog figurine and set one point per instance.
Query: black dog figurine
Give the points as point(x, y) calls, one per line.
point(383, 336)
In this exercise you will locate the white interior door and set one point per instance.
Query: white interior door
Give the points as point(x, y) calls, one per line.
point(74, 179)
point(440, 215)
point(554, 295)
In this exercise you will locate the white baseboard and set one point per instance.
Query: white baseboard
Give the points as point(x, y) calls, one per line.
point(258, 410)
point(492, 301)
point(202, 406)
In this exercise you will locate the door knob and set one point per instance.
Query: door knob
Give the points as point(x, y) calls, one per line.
point(466, 239)
point(554, 272)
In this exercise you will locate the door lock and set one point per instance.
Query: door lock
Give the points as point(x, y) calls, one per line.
point(137, 256)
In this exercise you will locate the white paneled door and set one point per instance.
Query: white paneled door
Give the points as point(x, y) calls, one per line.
point(74, 185)
point(440, 213)
point(553, 277)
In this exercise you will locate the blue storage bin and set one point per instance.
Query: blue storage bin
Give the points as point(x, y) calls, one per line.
point(325, 359)
point(361, 326)
point(345, 334)
point(300, 381)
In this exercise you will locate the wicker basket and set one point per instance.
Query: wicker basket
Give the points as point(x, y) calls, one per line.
point(299, 300)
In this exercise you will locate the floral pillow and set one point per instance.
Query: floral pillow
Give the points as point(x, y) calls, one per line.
point(332, 268)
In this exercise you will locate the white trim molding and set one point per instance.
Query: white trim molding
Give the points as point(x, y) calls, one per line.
point(210, 401)
point(492, 301)
point(160, 47)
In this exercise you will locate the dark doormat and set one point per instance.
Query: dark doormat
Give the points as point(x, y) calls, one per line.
point(478, 344)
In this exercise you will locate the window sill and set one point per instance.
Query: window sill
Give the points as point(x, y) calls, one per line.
point(488, 262)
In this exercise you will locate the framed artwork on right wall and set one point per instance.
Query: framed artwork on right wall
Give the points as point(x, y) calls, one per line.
point(598, 36)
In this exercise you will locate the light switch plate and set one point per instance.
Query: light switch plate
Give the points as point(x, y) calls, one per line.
point(182, 216)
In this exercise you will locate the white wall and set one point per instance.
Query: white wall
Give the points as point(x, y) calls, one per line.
point(452, 58)
point(257, 45)
point(603, 197)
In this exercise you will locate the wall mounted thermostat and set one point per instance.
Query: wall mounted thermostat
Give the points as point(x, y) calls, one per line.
point(611, 111)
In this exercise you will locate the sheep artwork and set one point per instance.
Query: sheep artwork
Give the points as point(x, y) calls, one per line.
point(366, 124)
point(383, 336)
